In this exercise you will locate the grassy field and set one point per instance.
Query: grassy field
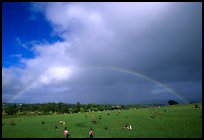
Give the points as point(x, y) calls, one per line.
point(180, 121)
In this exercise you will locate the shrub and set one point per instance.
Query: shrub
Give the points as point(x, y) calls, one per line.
point(172, 102)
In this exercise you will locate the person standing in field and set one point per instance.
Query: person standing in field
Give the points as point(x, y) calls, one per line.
point(66, 133)
point(91, 133)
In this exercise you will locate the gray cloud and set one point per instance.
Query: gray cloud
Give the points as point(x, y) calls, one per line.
point(160, 40)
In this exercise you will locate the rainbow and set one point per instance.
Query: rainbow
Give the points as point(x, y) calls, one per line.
point(134, 73)
point(24, 91)
point(173, 92)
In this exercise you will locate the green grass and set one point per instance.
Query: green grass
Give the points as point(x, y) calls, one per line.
point(180, 121)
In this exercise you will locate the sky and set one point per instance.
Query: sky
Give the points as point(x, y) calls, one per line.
point(101, 52)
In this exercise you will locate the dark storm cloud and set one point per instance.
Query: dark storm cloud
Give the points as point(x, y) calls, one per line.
point(169, 49)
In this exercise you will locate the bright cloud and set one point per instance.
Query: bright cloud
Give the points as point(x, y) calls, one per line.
point(55, 74)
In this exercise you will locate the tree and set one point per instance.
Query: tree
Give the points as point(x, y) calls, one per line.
point(82, 109)
point(11, 109)
point(101, 107)
point(70, 110)
point(78, 106)
point(64, 109)
point(172, 102)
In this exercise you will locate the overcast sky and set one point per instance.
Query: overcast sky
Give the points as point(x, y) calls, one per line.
point(117, 53)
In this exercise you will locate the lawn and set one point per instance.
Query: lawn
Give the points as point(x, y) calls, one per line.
point(179, 121)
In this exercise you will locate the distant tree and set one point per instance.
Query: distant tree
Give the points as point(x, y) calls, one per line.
point(64, 109)
point(91, 107)
point(82, 109)
point(70, 110)
point(59, 107)
point(122, 106)
point(172, 102)
point(96, 109)
point(78, 107)
point(11, 109)
point(101, 107)
point(74, 110)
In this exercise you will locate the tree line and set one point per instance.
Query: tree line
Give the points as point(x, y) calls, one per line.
point(52, 108)
point(61, 108)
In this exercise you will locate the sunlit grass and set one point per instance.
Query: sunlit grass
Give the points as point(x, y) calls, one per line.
point(180, 121)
